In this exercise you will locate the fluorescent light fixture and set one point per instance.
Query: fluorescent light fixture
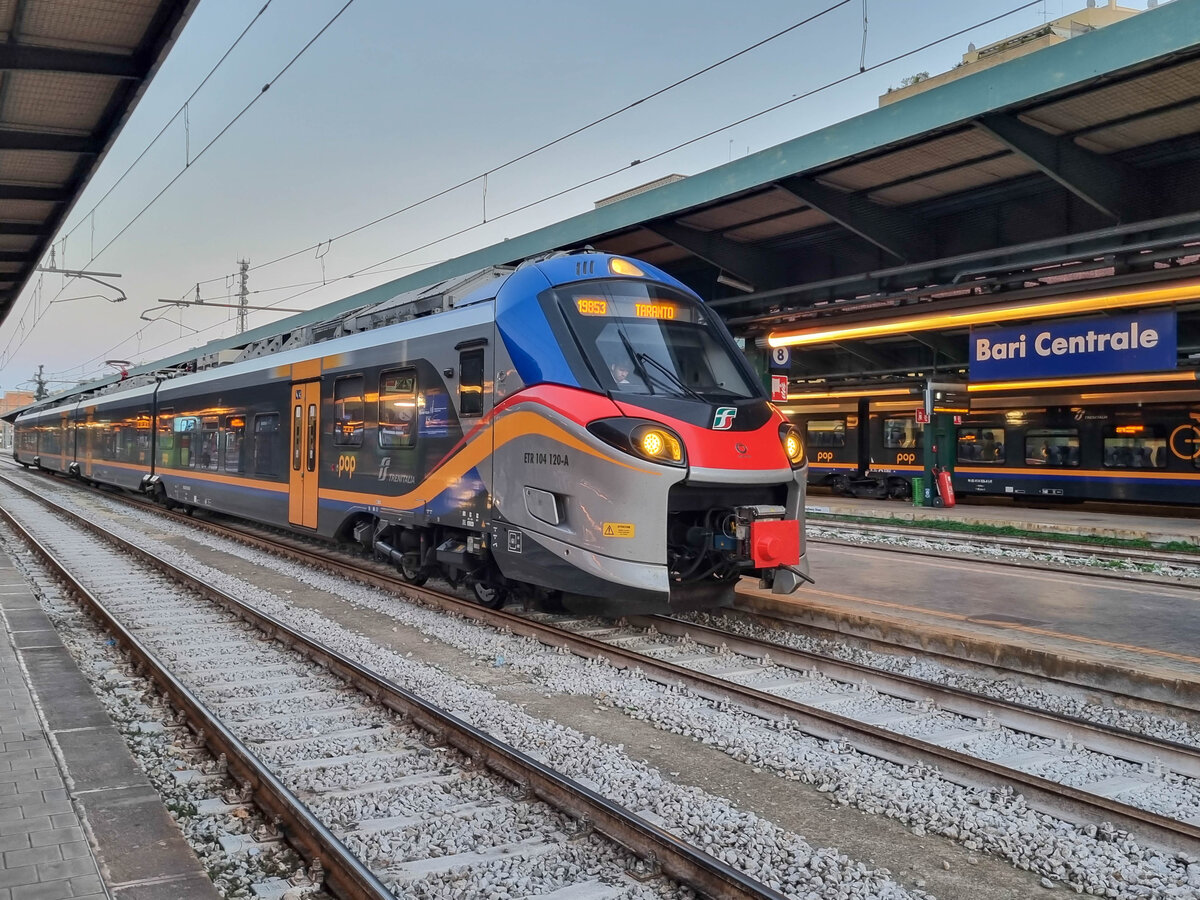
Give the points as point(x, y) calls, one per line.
point(1086, 381)
point(864, 392)
point(1176, 292)
point(736, 283)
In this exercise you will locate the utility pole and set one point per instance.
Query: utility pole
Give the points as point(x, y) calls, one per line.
point(243, 292)
point(39, 385)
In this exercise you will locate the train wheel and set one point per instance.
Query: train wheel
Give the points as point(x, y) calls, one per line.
point(414, 575)
point(489, 595)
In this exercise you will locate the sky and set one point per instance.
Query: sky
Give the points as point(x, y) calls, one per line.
point(394, 103)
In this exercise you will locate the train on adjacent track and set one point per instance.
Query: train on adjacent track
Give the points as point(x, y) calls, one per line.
point(1098, 442)
point(582, 429)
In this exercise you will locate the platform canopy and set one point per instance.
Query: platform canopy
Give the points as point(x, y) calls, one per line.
point(70, 76)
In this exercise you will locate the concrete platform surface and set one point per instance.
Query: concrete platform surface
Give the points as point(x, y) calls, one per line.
point(1095, 631)
point(78, 818)
point(1067, 520)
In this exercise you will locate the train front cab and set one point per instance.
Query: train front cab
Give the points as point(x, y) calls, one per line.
point(641, 467)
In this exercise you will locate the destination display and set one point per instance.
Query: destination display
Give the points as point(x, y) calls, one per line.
point(1132, 342)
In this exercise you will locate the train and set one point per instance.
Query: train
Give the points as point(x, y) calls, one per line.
point(581, 431)
point(1100, 442)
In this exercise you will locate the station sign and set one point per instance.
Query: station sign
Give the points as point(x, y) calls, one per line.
point(1127, 342)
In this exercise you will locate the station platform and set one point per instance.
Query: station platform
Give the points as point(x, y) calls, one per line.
point(1077, 520)
point(78, 818)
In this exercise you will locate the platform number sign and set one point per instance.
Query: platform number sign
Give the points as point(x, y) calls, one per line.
point(781, 358)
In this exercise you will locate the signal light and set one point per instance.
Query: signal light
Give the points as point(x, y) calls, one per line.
point(624, 267)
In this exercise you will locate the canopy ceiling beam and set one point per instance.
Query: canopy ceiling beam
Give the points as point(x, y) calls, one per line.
point(892, 230)
point(1119, 191)
point(756, 267)
point(22, 57)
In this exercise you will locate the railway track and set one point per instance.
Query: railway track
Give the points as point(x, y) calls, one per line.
point(1066, 549)
point(1150, 789)
point(378, 789)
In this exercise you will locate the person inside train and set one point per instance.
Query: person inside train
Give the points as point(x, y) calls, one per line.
point(620, 372)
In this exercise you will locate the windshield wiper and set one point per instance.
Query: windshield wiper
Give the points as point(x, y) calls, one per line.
point(671, 376)
point(634, 357)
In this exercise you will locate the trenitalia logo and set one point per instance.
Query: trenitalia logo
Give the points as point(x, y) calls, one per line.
point(723, 419)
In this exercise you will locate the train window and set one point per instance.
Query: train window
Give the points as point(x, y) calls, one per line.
point(231, 449)
point(981, 445)
point(644, 338)
point(208, 452)
point(1052, 447)
point(902, 433)
point(266, 444)
point(165, 442)
point(826, 432)
point(1135, 447)
point(142, 424)
point(398, 408)
point(470, 383)
point(311, 448)
point(186, 428)
point(348, 408)
point(297, 435)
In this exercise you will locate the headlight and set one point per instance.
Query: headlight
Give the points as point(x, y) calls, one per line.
point(649, 440)
point(793, 444)
point(657, 443)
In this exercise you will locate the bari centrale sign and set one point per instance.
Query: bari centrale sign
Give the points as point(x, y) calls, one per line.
point(1130, 342)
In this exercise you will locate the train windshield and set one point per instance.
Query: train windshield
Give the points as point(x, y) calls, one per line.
point(644, 338)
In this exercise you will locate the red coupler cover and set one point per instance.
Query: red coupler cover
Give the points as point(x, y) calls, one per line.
point(775, 543)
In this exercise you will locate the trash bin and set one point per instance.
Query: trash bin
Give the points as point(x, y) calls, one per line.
point(918, 491)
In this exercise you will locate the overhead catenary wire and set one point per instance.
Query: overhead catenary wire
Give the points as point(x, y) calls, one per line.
point(642, 161)
point(548, 144)
point(593, 180)
point(6, 355)
point(183, 107)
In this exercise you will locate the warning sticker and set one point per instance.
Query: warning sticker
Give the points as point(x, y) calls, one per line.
point(618, 529)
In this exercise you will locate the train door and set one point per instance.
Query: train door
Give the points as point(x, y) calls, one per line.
point(475, 388)
point(305, 427)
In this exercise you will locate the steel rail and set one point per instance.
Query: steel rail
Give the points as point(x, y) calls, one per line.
point(664, 851)
point(345, 876)
point(1101, 738)
point(1077, 548)
point(1160, 696)
point(1062, 801)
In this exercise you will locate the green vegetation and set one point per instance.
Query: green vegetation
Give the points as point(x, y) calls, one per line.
point(950, 525)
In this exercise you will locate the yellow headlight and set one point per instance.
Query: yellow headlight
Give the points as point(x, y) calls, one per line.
point(793, 446)
point(658, 444)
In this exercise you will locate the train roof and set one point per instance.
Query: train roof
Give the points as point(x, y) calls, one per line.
point(476, 309)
